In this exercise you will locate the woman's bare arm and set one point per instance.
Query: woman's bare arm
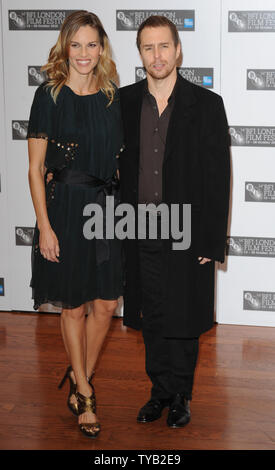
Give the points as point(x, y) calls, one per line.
point(48, 242)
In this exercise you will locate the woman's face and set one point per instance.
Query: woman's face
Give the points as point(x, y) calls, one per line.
point(84, 50)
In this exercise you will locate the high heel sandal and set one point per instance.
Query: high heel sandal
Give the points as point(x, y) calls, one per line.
point(88, 404)
point(72, 406)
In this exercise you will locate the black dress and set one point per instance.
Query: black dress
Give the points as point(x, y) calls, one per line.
point(83, 134)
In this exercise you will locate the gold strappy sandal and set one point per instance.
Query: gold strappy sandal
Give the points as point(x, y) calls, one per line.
point(87, 404)
point(73, 406)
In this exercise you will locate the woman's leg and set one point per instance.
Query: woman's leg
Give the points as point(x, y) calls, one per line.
point(62, 321)
point(74, 335)
point(97, 326)
point(83, 340)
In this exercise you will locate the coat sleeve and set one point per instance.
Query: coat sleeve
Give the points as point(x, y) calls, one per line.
point(215, 162)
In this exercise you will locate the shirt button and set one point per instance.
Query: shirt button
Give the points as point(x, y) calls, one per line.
point(156, 172)
point(155, 150)
point(156, 129)
point(156, 194)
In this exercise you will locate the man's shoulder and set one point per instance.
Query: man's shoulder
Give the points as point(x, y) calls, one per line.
point(202, 94)
point(131, 89)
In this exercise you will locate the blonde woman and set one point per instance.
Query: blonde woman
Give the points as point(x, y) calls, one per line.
point(75, 133)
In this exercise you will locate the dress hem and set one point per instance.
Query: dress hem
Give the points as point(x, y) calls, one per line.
point(63, 305)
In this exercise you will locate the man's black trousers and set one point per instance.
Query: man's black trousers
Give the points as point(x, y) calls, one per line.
point(170, 362)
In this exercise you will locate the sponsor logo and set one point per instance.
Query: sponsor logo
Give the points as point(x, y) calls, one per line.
point(260, 79)
point(251, 246)
point(259, 192)
point(19, 130)
point(255, 300)
point(189, 23)
point(248, 136)
point(200, 76)
point(35, 76)
point(251, 21)
point(24, 236)
point(140, 73)
point(2, 289)
point(37, 20)
point(130, 20)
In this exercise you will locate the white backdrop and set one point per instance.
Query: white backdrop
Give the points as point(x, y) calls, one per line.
point(5, 247)
point(220, 51)
point(246, 290)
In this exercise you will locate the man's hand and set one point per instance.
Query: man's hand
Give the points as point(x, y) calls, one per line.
point(203, 260)
point(49, 177)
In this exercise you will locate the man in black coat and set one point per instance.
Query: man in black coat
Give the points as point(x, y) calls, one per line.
point(176, 152)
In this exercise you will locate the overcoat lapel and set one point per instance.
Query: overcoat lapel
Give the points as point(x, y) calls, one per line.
point(134, 104)
point(182, 114)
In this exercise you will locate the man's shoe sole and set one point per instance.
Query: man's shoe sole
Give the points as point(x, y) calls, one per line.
point(178, 425)
point(144, 420)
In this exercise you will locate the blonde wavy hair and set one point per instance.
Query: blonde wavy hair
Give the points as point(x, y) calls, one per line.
point(57, 67)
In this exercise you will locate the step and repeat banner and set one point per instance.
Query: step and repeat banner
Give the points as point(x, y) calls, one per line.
point(246, 288)
point(5, 247)
point(227, 48)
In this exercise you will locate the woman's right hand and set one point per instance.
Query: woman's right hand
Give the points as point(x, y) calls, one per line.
point(48, 244)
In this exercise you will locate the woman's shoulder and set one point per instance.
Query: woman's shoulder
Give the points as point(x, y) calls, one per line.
point(43, 89)
point(43, 94)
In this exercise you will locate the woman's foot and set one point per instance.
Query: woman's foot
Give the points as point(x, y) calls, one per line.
point(72, 397)
point(71, 400)
point(87, 419)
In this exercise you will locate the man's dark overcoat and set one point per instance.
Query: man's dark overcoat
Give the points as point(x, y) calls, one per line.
point(196, 171)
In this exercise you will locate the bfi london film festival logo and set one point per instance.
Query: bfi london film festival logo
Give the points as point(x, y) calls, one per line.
point(35, 20)
point(251, 21)
point(2, 288)
point(252, 136)
point(35, 76)
point(260, 79)
point(257, 300)
point(24, 236)
point(200, 76)
point(251, 246)
point(130, 20)
point(259, 191)
point(19, 130)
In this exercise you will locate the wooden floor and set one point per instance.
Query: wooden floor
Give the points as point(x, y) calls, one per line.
point(233, 404)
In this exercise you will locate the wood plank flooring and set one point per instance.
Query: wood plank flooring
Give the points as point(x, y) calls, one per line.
point(233, 406)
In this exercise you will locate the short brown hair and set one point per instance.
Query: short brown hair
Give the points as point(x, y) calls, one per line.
point(153, 22)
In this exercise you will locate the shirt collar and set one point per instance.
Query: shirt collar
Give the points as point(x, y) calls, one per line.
point(171, 97)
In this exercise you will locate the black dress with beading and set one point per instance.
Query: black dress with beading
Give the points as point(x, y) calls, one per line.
point(83, 133)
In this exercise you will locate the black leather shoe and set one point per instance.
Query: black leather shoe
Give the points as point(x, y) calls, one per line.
point(152, 410)
point(179, 412)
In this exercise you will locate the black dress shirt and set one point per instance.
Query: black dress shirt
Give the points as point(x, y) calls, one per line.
point(153, 131)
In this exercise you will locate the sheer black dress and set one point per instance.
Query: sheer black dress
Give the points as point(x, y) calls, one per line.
point(84, 135)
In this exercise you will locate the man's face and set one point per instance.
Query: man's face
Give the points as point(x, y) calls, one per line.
point(158, 51)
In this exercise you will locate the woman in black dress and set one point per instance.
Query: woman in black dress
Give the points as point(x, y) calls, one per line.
point(75, 133)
